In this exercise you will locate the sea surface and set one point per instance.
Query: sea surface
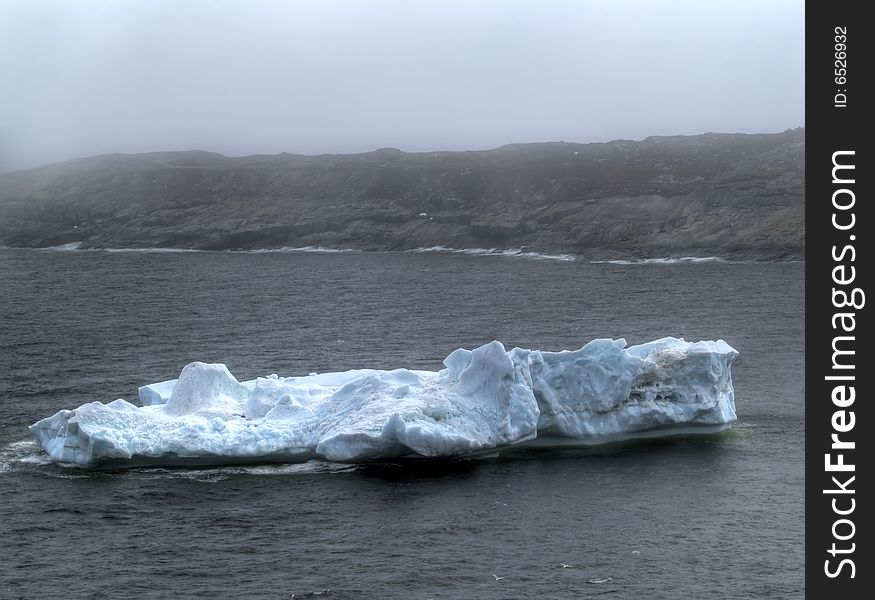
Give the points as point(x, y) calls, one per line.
point(710, 517)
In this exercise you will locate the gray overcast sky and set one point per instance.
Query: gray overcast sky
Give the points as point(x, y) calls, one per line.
point(240, 77)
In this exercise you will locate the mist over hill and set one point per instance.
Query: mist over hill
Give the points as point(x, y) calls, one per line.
point(729, 195)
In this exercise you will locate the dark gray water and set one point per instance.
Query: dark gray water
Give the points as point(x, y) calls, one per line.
point(717, 517)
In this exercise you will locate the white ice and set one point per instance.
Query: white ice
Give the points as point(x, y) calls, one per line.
point(485, 400)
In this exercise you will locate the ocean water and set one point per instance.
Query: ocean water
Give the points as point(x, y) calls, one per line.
point(718, 517)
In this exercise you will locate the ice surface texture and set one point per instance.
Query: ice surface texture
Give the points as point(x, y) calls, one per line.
point(484, 400)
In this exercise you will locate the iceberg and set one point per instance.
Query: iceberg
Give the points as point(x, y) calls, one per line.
point(484, 401)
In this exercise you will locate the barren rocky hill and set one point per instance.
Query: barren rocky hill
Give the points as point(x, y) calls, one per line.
point(729, 195)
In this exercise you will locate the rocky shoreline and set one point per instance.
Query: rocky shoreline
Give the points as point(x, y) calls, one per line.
point(731, 196)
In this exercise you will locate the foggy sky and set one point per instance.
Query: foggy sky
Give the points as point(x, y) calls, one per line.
point(315, 76)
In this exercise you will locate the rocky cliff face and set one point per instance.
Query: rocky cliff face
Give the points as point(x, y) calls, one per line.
point(714, 194)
